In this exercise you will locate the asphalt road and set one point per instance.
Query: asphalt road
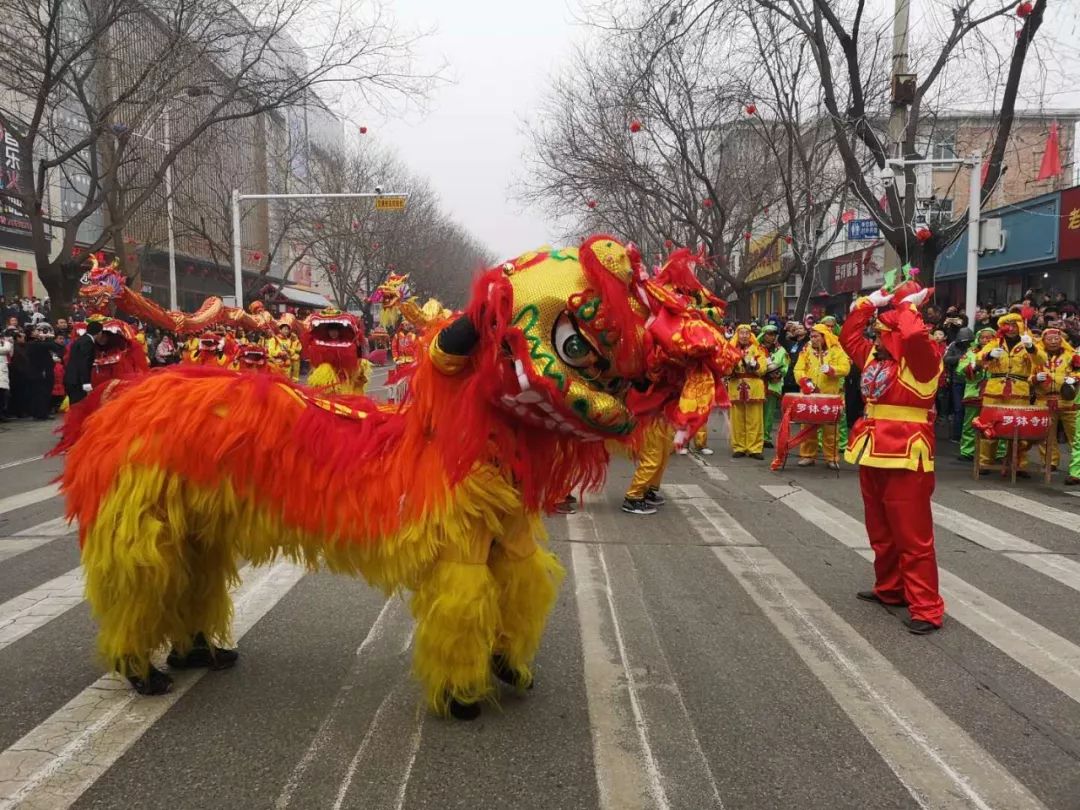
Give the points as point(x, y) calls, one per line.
point(710, 656)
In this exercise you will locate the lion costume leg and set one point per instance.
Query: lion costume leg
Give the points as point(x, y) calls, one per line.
point(528, 577)
point(149, 580)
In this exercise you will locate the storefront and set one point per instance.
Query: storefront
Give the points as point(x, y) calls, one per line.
point(1027, 261)
point(853, 273)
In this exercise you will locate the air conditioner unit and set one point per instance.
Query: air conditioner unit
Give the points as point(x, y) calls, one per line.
point(992, 236)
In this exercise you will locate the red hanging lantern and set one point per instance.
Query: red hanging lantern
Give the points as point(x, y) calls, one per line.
point(591, 203)
point(751, 109)
point(131, 257)
point(766, 210)
point(363, 130)
point(318, 226)
point(355, 225)
point(1024, 9)
point(923, 233)
point(707, 202)
point(375, 246)
point(747, 235)
point(391, 266)
point(255, 256)
point(787, 239)
point(635, 126)
point(76, 251)
point(668, 244)
point(333, 268)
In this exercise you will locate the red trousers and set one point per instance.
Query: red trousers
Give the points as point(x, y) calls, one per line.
point(901, 529)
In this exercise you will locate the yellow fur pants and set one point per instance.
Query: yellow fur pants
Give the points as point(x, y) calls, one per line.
point(652, 460)
point(483, 598)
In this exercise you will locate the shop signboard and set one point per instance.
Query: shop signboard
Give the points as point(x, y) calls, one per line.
point(1032, 233)
point(859, 230)
point(1069, 227)
point(859, 270)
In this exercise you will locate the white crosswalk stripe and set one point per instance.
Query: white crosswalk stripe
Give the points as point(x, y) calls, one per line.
point(37, 607)
point(1057, 566)
point(1053, 658)
point(23, 499)
point(1030, 508)
point(58, 760)
point(34, 537)
point(705, 513)
point(935, 760)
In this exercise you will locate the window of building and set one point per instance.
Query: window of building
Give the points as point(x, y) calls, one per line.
point(944, 146)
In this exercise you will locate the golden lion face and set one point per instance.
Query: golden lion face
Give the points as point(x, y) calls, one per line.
point(568, 375)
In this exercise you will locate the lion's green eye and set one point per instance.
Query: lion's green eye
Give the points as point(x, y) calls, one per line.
point(576, 348)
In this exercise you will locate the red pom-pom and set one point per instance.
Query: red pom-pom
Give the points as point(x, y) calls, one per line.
point(707, 202)
point(669, 244)
point(363, 130)
point(787, 239)
point(923, 234)
point(591, 203)
point(747, 235)
point(1024, 9)
point(635, 126)
point(751, 109)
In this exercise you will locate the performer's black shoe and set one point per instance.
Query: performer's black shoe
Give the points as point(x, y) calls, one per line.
point(654, 498)
point(569, 499)
point(1072, 481)
point(984, 472)
point(203, 655)
point(464, 711)
point(508, 675)
point(156, 682)
point(920, 628)
point(965, 458)
point(870, 596)
point(757, 456)
point(639, 507)
point(1023, 474)
point(769, 445)
point(738, 454)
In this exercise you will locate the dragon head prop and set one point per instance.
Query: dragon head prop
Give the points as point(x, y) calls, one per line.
point(101, 287)
point(251, 357)
point(390, 294)
point(569, 326)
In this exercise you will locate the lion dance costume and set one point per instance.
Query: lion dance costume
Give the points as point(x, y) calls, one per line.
point(893, 444)
point(331, 344)
point(509, 408)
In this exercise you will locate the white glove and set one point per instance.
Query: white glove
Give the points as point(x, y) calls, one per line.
point(917, 298)
point(996, 353)
point(1070, 380)
point(1040, 377)
point(880, 298)
point(1026, 340)
point(826, 368)
point(87, 387)
point(771, 367)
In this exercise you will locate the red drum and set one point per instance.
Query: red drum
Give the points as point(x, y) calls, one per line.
point(1007, 421)
point(814, 409)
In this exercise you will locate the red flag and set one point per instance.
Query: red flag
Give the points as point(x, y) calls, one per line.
point(985, 171)
point(1051, 162)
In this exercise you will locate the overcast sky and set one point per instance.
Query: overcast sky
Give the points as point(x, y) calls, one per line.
point(499, 55)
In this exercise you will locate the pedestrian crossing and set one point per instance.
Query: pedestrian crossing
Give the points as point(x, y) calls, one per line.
point(649, 746)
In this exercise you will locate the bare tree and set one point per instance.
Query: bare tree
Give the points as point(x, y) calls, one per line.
point(88, 85)
point(850, 47)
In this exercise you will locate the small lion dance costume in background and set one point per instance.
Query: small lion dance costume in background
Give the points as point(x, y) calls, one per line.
point(893, 444)
point(509, 408)
point(332, 343)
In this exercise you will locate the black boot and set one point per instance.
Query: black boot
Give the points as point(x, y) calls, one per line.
point(464, 711)
point(156, 682)
point(203, 655)
point(508, 675)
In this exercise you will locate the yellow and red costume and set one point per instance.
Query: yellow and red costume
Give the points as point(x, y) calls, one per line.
point(509, 409)
point(822, 371)
point(893, 444)
point(1010, 361)
point(687, 357)
point(746, 391)
point(403, 346)
point(283, 350)
point(210, 350)
point(1062, 364)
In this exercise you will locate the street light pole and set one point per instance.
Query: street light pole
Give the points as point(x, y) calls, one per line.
point(238, 270)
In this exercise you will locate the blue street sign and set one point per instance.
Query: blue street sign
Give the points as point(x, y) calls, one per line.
point(859, 229)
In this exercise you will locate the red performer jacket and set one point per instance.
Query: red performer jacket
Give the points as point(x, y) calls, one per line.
point(897, 431)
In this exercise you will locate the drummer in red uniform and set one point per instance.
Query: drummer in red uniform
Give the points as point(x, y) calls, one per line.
point(893, 444)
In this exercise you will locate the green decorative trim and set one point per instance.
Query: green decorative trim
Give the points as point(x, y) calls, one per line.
point(588, 310)
point(527, 319)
